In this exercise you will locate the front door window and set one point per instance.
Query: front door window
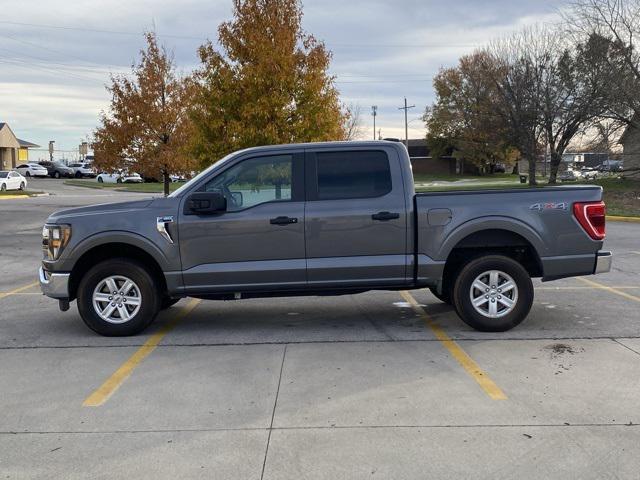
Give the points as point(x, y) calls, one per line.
point(255, 181)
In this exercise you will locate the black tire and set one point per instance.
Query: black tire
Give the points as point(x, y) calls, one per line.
point(168, 302)
point(100, 180)
point(56, 174)
point(462, 293)
point(78, 175)
point(3, 188)
point(149, 307)
point(445, 297)
point(21, 185)
point(27, 174)
point(119, 180)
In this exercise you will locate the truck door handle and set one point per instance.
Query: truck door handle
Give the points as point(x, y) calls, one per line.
point(384, 216)
point(283, 221)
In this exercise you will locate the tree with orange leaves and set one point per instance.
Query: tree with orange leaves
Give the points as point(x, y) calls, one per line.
point(147, 128)
point(269, 84)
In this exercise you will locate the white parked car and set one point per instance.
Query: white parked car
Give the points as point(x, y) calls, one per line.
point(11, 181)
point(570, 176)
point(32, 170)
point(81, 170)
point(119, 177)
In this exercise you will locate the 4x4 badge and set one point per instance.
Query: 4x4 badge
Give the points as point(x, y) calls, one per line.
point(549, 206)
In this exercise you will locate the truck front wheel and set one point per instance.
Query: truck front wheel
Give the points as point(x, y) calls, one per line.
point(493, 293)
point(118, 298)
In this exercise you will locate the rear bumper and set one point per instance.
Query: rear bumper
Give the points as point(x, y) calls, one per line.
point(54, 285)
point(566, 266)
point(603, 262)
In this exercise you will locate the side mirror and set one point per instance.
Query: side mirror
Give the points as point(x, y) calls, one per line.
point(205, 203)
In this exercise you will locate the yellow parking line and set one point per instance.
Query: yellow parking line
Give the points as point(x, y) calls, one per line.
point(34, 293)
point(109, 387)
point(609, 289)
point(17, 290)
point(456, 351)
point(8, 197)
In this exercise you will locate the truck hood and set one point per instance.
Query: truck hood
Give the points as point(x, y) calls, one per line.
point(103, 208)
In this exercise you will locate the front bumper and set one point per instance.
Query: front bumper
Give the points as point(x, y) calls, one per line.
point(603, 262)
point(54, 285)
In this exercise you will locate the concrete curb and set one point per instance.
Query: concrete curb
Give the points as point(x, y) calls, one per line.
point(615, 218)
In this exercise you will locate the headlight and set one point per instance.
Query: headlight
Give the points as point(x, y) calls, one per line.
point(54, 239)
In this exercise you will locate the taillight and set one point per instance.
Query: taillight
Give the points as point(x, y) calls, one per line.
point(591, 216)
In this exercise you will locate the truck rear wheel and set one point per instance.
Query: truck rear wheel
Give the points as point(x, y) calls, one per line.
point(118, 298)
point(493, 293)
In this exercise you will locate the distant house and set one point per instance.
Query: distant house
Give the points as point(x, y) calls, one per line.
point(23, 153)
point(12, 149)
point(423, 163)
point(630, 141)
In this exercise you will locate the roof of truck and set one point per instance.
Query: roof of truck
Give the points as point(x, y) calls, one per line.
point(347, 143)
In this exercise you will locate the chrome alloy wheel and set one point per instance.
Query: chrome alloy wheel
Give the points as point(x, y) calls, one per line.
point(493, 294)
point(117, 299)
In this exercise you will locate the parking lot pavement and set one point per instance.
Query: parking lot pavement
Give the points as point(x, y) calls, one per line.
point(362, 386)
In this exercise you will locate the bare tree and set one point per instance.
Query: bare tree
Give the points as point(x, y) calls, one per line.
point(604, 136)
point(518, 64)
point(572, 93)
point(353, 122)
point(550, 91)
point(610, 32)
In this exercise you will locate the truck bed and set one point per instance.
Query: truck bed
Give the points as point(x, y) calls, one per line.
point(541, 217)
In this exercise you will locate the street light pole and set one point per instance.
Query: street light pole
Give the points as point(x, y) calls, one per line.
point(374, 112)
point(406, 123)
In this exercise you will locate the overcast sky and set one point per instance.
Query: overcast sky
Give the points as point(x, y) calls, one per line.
point(55, 56)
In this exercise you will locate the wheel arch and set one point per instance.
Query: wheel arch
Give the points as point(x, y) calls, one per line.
point(120, 246)
point(502, 224)
point(520, 244)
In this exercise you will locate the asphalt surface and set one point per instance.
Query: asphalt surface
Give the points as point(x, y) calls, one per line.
point(362, 386)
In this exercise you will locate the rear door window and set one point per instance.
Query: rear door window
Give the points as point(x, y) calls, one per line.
point(353, 174)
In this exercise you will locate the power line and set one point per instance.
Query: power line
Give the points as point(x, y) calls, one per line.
point(65, 54)
point(94, 30)
point(201, 38)
point(31, 66)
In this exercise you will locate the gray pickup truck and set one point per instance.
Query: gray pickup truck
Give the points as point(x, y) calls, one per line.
point(320, 219)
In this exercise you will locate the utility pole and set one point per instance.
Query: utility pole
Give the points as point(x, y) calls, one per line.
point(406, 123)
point(51, 142)
point(374, 112)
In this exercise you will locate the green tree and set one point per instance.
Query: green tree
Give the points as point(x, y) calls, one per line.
point(463, 118)
point(147, 128)
point(268, 84)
